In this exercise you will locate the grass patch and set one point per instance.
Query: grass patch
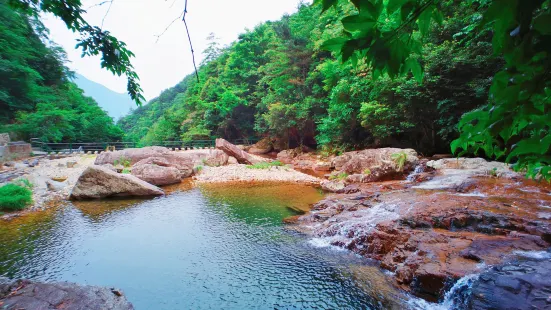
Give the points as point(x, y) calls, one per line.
point(341, 176)
point(399, 159)
point(265, 165)
point(14, 197)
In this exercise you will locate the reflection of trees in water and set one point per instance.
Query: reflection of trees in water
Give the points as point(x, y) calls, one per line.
point(259, 204)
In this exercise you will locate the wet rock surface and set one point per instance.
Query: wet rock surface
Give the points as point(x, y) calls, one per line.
point(524, 284)
point(431, 238)
point(25, 294)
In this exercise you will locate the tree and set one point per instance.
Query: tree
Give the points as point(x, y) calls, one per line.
point(115, 57)
point(515, 123)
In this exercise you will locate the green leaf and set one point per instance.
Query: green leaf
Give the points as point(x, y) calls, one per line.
point(414, 66)
point(334, 45)
point(406, 10)
point(348, 49)
point(424, 21)
point(358, 23)
point(394, 5)
point(526, 146)
point(542, 24)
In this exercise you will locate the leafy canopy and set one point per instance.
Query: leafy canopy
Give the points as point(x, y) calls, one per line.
point(515, 123)
point(115, 57)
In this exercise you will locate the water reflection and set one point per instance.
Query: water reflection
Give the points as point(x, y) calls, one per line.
point(197, 248)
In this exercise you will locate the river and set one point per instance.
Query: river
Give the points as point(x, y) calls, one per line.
point(210, 247)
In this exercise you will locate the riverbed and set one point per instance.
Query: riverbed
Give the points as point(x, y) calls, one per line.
point(207, 247)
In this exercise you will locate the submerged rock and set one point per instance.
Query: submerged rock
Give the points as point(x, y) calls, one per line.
point(25, 294)
point(99, 182)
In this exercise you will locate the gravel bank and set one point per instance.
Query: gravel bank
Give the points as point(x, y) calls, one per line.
point(240, 173)
point(45, 172)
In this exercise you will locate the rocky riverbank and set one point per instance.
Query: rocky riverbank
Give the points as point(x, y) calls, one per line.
point(463, 216)
point(430, 223)
point(25, 294)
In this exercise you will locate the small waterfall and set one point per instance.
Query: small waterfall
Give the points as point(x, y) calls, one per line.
point(418, 169)
point(455, 298)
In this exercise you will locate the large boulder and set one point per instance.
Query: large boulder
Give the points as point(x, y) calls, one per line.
point(262, 147)
point(379, 163)
point(232, 150)
point(518, 285)
point(213, 158)
point(184, 164)
point(100, 182)
point(26, 294)
point(132, 155)
point(157, 175)
point(471, 166)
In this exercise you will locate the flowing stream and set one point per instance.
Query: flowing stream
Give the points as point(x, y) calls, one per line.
point(215, 247)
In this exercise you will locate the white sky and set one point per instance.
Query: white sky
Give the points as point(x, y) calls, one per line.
point(163, 64)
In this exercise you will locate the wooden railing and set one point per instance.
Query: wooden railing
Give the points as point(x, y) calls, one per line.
point(77, 147)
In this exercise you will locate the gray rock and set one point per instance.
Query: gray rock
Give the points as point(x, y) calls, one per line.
point(25, 294)
point(99, 182)
point(525, 284)
point(332, 186)
point(55, 186)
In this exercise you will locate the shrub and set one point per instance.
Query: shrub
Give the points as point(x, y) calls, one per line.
point(400, 159)
point(14, 197)
point(265, 165)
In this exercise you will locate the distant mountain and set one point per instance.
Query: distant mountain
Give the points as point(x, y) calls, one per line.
point(116, 104)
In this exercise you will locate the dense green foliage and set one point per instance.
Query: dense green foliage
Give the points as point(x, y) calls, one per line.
point(515, 122)
point(14, 197)
point(37, 99)
point(276, 80)
point(94, 41)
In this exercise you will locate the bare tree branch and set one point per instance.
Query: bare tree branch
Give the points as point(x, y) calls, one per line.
point(169, 25)
point(106, 13)
point(183, 16)
point(99, 4)
point(190, 44)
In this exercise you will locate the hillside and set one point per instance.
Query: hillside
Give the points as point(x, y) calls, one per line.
point(116, 104)
point(276, 81)
point(37, 99)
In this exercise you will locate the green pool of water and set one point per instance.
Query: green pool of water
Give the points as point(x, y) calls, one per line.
point(217, 247)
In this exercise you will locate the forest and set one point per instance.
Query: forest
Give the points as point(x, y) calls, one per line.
point(467, 77)
point(278, 81)
point(37, 97)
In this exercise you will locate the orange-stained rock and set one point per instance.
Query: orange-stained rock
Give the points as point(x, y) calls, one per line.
point(431, 238)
